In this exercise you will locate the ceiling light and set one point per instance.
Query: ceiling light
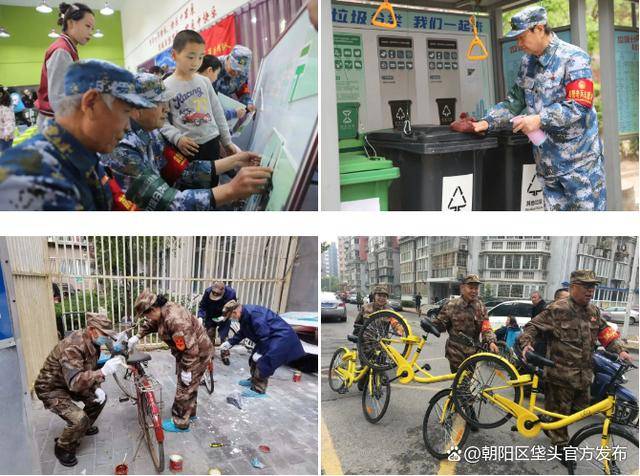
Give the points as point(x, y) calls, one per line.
point(107, 10)
point(53, 33)
point(43, 7)
point(4, 33)
point(254, 19)
point(98, 34)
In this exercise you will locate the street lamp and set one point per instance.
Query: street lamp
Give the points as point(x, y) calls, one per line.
point(44, 8)
point(107, 10)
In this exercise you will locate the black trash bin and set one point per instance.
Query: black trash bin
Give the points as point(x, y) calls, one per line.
point(400, 113)
point(503, 174)
point(446, 110)
point(425, 158)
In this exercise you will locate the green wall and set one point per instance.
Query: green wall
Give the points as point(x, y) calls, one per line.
point(22, 54)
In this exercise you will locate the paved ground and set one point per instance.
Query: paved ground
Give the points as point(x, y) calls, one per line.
point(286, 421)
point(394, 446)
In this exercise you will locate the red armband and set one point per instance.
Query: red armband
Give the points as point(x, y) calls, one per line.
point(581, 91)
point(120, 201)
point(486, 326)
point(176, 163)
point(607, 336)
point(179, 342)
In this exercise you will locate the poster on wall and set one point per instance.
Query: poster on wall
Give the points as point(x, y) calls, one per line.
point(626, 46)
point(221, 37)
point(349, 66)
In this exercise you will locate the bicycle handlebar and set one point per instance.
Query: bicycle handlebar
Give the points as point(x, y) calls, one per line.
point(536, 359)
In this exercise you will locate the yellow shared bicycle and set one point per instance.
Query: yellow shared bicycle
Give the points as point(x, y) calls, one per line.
point(488, 389)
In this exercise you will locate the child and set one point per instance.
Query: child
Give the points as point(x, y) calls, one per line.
point(210, 69)
point(7, 122)
point(196, 123)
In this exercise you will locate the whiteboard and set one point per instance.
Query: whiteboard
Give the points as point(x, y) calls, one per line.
point(286, 95)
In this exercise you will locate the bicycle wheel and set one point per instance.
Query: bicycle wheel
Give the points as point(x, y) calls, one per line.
point(387, 327)
point(480, 376)
point(208, 378)
point(442, 433)
point(124, 379)
point(336, 381)
point(376, 396)
point(148, 423)
point(619, 456)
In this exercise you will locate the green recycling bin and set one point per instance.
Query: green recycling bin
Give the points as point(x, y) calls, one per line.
point(362, 178)
point(348, 120)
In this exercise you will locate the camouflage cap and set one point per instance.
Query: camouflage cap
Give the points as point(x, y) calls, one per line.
point(229, 307)
point(217, 291)
point(584, 276)
point(106, 78)
point(381, 290)
point(144, 302)
point(240, 58)
point(152, 88)
point(471, 278)
point(527, 18)
point(101, 322)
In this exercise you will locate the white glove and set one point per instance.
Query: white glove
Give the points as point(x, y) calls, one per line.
point(185, 377)
point(200, 320)
point(111, 365)
point(225, 345)
point(132, 342)
point(218, 319)
point(100, 396)
point(256, 356)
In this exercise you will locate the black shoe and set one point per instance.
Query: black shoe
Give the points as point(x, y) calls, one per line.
point(92, 431)
point(514, 427)
point(66, 458)
point(226, 361)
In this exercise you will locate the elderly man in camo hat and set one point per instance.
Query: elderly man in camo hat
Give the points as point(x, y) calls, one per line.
point(574, 328)
point(189, 344)
point(59, 169)
point(234, 76)
point(380, 302)
point(466, 320)
point(70, 374)
point(554, 92)
point(210, 311)
point(276, 343)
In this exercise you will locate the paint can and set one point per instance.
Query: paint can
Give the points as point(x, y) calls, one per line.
point(297, 375)
point(122, 469)
point(175, 463)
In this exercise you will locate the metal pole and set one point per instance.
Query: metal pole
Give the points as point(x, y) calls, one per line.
point(609, 99)
point(632, 282)
point(578, 19)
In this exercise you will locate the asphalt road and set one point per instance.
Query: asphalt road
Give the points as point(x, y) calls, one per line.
point(394, 445)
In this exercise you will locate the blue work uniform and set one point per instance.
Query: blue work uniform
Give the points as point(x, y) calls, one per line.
point(53, 171)
point(570, 161)
point(275, 340)
point(231, 86)
point(209, 309)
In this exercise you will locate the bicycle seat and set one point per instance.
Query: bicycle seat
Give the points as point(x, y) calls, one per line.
point(138, 358)
point(536, 359)
point(428, 327)
point(352, 338)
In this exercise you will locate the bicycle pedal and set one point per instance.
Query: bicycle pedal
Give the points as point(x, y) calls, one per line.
point(123, 399)
point(342, 391)
point(426, 366)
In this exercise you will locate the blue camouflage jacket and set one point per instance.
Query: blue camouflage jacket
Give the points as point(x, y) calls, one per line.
point(52, 171)
point(136, 164)
point(230, 86)
point(571, 127)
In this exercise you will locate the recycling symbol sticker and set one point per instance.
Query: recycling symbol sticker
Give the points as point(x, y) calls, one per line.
point(347, 117)
point(446, 112)
point(457, 193)
point(534, 187)
point(457, 201)
point(400, 114)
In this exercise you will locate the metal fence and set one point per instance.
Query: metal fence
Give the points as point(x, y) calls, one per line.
point(90, 273)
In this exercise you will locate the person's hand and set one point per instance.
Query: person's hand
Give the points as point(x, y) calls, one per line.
point(624, 355)
point(246, 158)
point(494, 348)
point(233, 149)
point(255, 357)
point(200, 320)
point(526, 348)
point(100, 396)
point(240, 112)
point(480, 126)
point(225, 345)
point(185, 377)
point(248, 180)
point(527, 124)
point(131, 343)
point(251, 108)
point(188, 146)
point(111, 366)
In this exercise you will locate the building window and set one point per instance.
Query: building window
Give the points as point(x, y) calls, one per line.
point(495, 274)
point(517, 290)
point(513, 245)
point(496, 245)
point(512, 274)
point(503, 290)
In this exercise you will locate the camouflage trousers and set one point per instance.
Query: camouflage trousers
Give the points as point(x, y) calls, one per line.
point(258, 384)
point(565, 401)
point(79, 420)
point(185, 404)
point(576, 191)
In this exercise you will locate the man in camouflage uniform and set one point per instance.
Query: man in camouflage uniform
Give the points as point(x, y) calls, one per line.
point(234, 76)
point(465, 315)
point(210, 311)
point(574, 327)
point(189, 344)
point(70, 373)
point(554, 92)
point(153, 173)
point(60, 169)
point(380, 302)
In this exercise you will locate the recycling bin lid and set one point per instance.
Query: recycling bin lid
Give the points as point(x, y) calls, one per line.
point(431, 139)
point(361, 163)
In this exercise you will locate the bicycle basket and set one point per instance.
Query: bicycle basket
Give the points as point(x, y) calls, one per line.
point(150, 384)
point(626, 412)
